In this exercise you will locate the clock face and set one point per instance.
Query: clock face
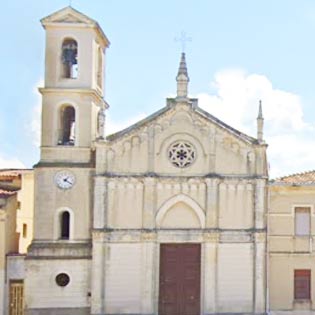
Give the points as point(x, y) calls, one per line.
point(64, 179)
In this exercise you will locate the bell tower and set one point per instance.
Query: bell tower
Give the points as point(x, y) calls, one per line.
point(73, 94)
point(73, 117)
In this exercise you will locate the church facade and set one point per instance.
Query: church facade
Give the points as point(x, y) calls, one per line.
point(171, 213)
point(168, 216)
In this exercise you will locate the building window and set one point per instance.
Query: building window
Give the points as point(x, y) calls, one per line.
point(62, 279)
point(67, 124)
point(302, 284)
point(24, 232)
point(65, 225)
point(70, 58)
point(302, 221)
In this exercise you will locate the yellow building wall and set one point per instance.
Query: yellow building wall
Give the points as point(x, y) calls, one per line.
point(25, 211)
point(288, 251)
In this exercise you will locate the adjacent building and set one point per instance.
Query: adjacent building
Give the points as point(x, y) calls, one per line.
point(291, 243)
point(16, 225)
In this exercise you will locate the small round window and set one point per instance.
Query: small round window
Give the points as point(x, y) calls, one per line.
point(62, 279)
point(181, 154)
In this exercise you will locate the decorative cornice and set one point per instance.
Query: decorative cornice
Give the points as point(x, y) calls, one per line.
point(93, 92)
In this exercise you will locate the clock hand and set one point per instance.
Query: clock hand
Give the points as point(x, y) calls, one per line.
point(67, 180)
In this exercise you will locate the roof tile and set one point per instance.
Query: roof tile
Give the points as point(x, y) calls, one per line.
point(6, 193)
point(298, 178)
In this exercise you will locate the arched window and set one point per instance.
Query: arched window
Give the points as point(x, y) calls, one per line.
point(67, 125)
point(70, 58)
point(65, 225)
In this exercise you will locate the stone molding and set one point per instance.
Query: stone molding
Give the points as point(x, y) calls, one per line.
point(180, 198)
point(178, 235)
point(62, 249)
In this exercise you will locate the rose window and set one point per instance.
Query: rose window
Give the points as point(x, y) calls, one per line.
point(182, 154)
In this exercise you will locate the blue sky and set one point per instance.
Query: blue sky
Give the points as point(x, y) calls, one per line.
point(241, 51)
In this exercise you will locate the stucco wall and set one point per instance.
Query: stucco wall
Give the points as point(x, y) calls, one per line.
point(41, 290)
point(288, 251)
point(50, 200)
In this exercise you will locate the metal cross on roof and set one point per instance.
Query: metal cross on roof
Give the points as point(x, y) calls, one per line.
point(183, 38)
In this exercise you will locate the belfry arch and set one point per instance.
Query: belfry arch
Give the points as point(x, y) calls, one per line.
point(69, 58)
point(67, 122)
point(185, 206)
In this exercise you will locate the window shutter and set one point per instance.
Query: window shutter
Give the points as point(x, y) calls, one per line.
point(302, 221)
point(302, 284)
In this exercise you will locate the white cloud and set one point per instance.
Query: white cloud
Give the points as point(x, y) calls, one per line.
point(10, 163)
point(289, 136)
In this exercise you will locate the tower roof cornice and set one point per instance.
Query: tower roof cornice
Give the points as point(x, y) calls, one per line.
point(70, 17)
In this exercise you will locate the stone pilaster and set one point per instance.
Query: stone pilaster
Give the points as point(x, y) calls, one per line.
point(148, 280)
point(101, 158)
point(98, 276)
point(260, 204)
point(260, 273)
point(151, 150)
point(149, 205)
point(222, 201)
point(210, 272)
point(100, 203)
point(212, 203)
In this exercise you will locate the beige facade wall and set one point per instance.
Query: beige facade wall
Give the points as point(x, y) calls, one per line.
point(50, 201)
point(42, 273)
point(8, 242)
point(177, 210)
point(177, 205)
point(2, 292)
point(25, 213)
point(235, 278)
point(234, 204)
point(134, 258)
point(288, 251)
point(126, 266)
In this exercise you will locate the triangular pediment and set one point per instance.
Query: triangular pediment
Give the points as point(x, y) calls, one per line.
point(70, 18)
point(182, 139)
point(68, 15)
point(196, 111)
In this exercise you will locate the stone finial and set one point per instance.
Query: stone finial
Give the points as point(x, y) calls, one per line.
point(260, 114)
point(182, 78)
point(260, 123)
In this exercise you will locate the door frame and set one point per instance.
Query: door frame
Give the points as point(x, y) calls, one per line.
point(157, 271)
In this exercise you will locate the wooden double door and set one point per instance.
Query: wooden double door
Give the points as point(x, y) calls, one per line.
point(179, 292)
point(16, 299)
